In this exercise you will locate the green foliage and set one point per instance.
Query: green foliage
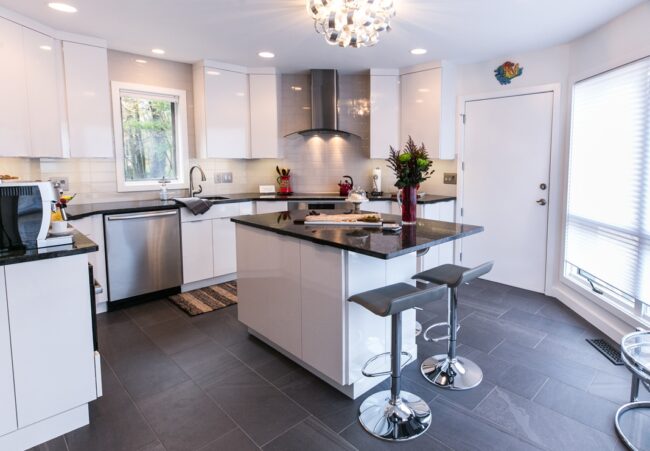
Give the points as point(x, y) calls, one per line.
point(149, 139)
point(411, 165)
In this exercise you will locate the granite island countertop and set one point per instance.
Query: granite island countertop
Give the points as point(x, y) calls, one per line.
point(80, 245)
point(371, 241)
point(78, 211)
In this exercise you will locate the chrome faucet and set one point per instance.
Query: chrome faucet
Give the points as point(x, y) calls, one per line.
point(200, 190)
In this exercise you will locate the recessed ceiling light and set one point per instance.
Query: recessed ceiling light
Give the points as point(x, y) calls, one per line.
point(212, 72)
point(267, 54)
point(47, 48)
point(419, 101)
point(418, 51)
point(158, 51)
point(424, 90)
point(63, 7)
point(240, 94)
point(296, 88)
point(141, 61)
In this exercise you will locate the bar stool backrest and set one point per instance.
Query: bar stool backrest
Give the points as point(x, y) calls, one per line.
point(476, 272)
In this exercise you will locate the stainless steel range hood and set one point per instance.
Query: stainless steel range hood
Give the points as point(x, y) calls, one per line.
point(324, 104)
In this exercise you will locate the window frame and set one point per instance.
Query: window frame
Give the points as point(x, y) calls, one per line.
point(181, 134)
point(566, 276)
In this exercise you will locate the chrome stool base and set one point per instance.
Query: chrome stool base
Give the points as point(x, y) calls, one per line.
point(457, 374)
point(404, 420)
point(631, 442)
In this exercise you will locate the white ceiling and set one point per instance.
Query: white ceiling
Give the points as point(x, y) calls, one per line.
point(234, 31)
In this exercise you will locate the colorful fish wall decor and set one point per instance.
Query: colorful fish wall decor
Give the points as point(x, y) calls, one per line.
point(507, 71)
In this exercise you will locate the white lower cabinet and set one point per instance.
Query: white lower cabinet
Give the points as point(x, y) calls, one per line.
point(443, 253)
point(197, 250)
point(8, 421)
point(51, 337)
point(224, 247)
point(378, 206)
point(262, 207)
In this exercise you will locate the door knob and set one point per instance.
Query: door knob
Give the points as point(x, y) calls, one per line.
point(542, 186)
point(542, 202)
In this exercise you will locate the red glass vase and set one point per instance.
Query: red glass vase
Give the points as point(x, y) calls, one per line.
point(409, 202)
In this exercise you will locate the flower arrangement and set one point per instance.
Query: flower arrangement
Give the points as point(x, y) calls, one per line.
point(411, 165)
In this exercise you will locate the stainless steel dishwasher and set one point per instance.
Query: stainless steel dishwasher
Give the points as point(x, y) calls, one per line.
point(143, 253)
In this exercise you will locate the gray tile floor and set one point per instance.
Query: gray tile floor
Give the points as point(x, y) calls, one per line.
point(172, 382)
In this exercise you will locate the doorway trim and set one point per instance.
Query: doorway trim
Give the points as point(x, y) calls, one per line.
point(556, 176)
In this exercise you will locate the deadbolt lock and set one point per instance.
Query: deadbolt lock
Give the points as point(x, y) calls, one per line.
point(542, 186)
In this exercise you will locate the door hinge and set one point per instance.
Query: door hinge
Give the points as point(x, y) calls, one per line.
point(461, 212)
point(461, 256)
point(462, 166)
point(464, 116)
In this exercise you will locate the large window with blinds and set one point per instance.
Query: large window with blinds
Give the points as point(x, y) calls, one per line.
point(607, 245)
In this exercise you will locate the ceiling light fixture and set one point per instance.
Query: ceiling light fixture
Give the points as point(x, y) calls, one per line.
point(351, 23)
point(141, 61)
point(266, 54)
point(418, 51)
point(158, 51)
point(212, 72)
point(62, 7)
point(47, 48)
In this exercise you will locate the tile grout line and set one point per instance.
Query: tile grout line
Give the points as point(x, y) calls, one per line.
point(137, 408)
point(238, 426)
point(540, 389)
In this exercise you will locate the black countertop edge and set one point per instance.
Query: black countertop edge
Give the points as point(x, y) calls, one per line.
point(79, 211)
point(468, 230)
point(80, 245)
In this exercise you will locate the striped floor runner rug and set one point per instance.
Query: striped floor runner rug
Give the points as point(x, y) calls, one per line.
point(204, 300)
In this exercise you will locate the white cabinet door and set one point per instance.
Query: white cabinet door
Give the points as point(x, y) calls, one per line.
point(378, 206)
point(262, 207)
point(88, 101)
point(323, 308)
point(224, 247)
point(44, 94)
point(197, 250)
point(14, 116)
point(227, 118)
point(264, 116)
point(8, 405)
point(384, 114)
point(420, 112)
point(51, 336)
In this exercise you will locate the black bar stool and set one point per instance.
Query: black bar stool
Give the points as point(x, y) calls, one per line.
point(395, 415)
point(449, 370)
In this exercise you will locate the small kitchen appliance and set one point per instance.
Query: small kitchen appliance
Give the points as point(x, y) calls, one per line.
point(25, 216)
point(345, 185)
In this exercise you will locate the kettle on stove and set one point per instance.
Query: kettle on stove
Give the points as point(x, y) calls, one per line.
point(345, 185)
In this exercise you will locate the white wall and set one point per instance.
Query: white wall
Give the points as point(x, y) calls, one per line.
point(624, 39)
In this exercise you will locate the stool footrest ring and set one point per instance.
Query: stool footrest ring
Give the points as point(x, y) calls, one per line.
point(364, 371)
point(437, 339)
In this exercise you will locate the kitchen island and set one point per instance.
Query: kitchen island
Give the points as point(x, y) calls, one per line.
point(294, 281)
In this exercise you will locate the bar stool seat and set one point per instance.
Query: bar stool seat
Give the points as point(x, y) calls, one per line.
point(395, 415)
point(449, 370)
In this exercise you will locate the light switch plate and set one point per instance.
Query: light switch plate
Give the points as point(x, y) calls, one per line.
point(226, 177)
point(62, 183)
point(267, 189)
point(449, 178)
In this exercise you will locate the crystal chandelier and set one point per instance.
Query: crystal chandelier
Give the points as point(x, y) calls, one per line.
point(354, 23)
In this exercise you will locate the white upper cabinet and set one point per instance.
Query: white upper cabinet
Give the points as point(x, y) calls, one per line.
point(221, 112)
point(428, 109)
point(44, 95)
point(384, 111)
point(264, 114)
point(88, 101)
point(14, 115)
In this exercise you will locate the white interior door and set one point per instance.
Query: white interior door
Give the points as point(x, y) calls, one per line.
point(505, 186)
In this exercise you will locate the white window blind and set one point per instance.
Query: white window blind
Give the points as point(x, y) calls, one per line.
point(608, 218)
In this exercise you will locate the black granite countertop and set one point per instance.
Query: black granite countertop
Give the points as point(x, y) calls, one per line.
point(370, 241)
point(80, 245)
point(78, 211)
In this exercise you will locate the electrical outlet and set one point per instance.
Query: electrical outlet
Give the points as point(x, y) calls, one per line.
point(61, 183)
point(226, 177)
point(217, 177)
point(449, 178)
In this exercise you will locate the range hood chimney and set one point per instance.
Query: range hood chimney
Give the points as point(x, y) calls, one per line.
point(324, 104)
